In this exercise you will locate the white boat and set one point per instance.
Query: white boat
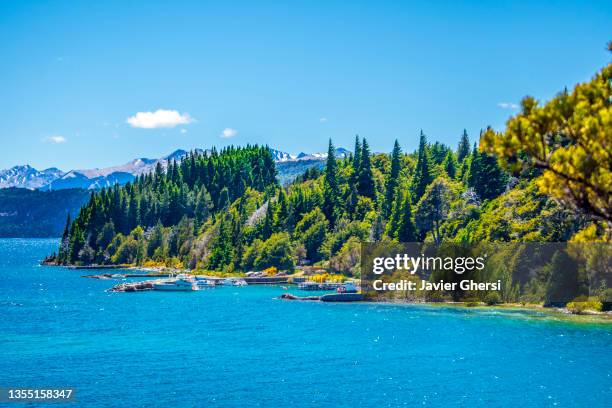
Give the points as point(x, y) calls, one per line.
point(234, 282)
point(176, 285)
point(347, 287)
point(204, 283)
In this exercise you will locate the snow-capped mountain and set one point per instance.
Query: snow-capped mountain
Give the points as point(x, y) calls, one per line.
point(282, 156)
point(340, 153)
point(93, 179)
point(28, 177)
point(96, 178)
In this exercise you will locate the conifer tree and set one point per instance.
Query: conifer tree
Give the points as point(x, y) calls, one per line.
point(463, 150)
point(331, 191)
point(352, 198)
point(357, 158)
point(438, 152)
point(392, 179)
point(366, 178)
point(423, 172)
point(406, 230)
point(268, 225)
point(222, 249)
point(65, 243)
point(485, 176)
point(282, 212)
point(224, 199)
point(450, 165)
point(394, 219)
point(133, 217)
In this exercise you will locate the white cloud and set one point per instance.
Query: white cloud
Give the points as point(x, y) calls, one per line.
point(507, 105)
point(57, 139)
point(228, 132)
point(323, 120)
point(183, 131)
point(161, 118)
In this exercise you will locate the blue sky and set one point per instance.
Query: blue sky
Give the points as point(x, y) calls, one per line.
point(289, 74)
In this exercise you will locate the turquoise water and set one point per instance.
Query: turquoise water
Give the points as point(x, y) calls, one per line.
point(242, 347)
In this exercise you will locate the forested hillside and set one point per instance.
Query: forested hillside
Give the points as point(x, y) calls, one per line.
point(37, 214)
point(225, 211)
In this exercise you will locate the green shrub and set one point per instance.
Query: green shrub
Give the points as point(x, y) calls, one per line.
point(471, 301)
point(583, 304)
point(493, 298)
point(436, 296)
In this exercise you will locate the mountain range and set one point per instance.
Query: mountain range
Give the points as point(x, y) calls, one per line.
point(25, 176)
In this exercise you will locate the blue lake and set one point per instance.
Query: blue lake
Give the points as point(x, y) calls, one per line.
point(242, 347)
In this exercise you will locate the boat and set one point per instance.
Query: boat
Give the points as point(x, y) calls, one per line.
point(182, 284)
point(347, 287)
point(234, 282)
point(308, 286)
point(204, 282)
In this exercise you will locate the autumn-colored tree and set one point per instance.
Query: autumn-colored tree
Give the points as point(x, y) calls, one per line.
point(570, 139)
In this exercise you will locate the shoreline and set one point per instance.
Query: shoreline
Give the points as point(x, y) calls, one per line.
point(553, 314)
point(561, 314)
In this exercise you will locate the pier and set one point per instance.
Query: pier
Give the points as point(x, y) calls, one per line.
point(332, 297)
point(319, 286)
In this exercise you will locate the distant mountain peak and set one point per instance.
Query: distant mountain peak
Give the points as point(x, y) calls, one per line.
point(176, 155)
point(25, 176)
point(340, 153)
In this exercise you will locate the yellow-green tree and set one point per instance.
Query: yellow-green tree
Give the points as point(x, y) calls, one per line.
point(570, 139)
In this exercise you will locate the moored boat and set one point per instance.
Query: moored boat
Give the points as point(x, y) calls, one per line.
point(347, 287)
point(204, 282)
point(234, 282)
point(182, 284)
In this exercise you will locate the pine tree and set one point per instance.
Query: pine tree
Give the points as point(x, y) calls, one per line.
point(222, 249)
point(463, 150)
point(406, 230)
point(331, 191)
point(366, 178)
point(77, 242)
point(438, 152)
point(352, 198)
point(394, 219)
point(485, 176)
point(357, 158)
point(282, 212)
point(449, 165)
point(224, 199)
point(392, 179)
point(65, 243)
point(423, 172)
point(268, 225)
point(356, 162)
point(133, 217)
